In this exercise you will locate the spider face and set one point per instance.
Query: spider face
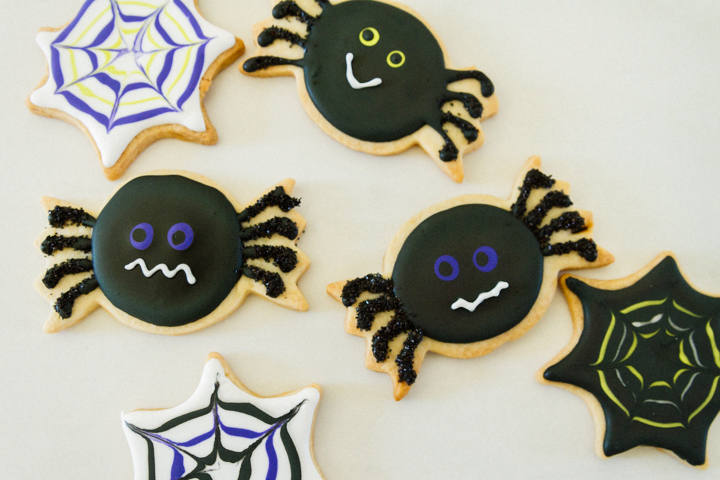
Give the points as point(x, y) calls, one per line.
point(468, 273)
point(166, 249)
point(374, 71)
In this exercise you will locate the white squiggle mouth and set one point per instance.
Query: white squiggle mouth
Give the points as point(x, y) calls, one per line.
point(351, 77)
point(163, 268)
point(495, 292)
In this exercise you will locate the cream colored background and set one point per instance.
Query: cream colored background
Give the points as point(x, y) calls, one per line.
point(620, 98)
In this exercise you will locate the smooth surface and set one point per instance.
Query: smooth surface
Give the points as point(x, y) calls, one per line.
point(620, 99)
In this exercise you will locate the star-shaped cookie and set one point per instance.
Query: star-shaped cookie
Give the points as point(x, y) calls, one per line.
point(644, 356)
point(129, 73)
point(225, 431)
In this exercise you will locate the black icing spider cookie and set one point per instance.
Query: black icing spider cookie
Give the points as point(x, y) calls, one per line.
point(644, 356)
point(467, 275)
point(376, 78)
point(171, 253)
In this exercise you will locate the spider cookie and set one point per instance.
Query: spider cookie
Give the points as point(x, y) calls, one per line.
point(644, 356)
point(467, 275)
point(375, 77)
point(171, 253)
point(225, 431)
point(129, 73)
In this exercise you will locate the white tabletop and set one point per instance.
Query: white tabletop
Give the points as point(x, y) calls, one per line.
point(621, 99)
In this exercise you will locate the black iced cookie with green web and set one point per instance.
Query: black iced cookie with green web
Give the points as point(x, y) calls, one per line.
point(646, 351)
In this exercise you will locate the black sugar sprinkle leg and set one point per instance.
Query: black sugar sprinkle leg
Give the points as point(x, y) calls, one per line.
point(486, 86)
point(277, 225)
point(65, 303)
point(274, 285)
point(469, 101)
point(468, 129)
point(571, 221)
point(60, 217)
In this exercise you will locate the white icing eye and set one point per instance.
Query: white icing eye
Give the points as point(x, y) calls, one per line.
point(369, 36)
point(396, 59)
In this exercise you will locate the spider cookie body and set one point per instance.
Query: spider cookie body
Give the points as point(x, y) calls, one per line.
point(644, 356)
point(128, 73)
point(225, 431)
point(376, 78)
point(171, 253)
point(466, 275)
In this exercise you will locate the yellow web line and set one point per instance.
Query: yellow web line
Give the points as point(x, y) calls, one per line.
point(89, 93)
point(90, 26)
point(178, 26)
point(640, 305)
point(187, 61)
point(658, 424)
point(707, 400)
point(609, 392)
point(606, 340)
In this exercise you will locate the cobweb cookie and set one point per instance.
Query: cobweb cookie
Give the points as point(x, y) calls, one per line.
point(171, 252)
point(644, 356)
point(225, 431)
point(375, 77)
point(467, 275)
point(129, 73)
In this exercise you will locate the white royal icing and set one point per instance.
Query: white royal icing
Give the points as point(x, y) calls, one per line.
point(495, 292)
point(173, 448)
point(351, 76)
point(162, 268)
point(158, 48)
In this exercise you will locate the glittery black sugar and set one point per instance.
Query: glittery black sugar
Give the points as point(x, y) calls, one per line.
point(554, 199)
point(571, 221)
point(367, 310)
point(404, 360)
point(585, 247)
point(399, 324)
point(269, 35)
point(60, 217)
point(276, 198)
point(55, 243)
point(274, 286)
point(533, 180)
point(70, 267)
point(66, 301)
point(277, 225)
point(372, 283)
point(282, 257)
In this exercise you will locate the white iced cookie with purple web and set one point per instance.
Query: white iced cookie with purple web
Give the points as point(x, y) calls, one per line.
point(129, 73)
point(225, 431)
point(171, 252)
point(467, 275)
point(375, 77)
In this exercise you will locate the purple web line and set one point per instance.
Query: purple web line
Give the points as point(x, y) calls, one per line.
point(110, 122)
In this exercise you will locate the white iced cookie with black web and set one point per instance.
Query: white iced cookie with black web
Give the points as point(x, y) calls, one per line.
point(224, 431)
point(171, 253)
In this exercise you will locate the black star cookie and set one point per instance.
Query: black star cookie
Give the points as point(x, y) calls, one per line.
point(644, 354)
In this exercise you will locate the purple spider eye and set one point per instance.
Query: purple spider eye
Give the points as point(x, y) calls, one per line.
point(148, 233)
point(453, 264)
point(180, 236)
point(492, 259)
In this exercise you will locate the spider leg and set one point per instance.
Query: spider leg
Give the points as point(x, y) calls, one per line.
point(571, 221)
point(68, 267)
point(585, 247)
point(269, 35)
point(64, 304)
point(449, 152)
point(276, 198)
point(55, 243)
point(398, 325)
point(372, 283)
point(264, 62)
point(486, 86)
point(60, 217)
point(284, 258)
point(289, 8)
point(553, 199)
point(277, 225)
point(468, 129)
point(367, 310)
point(469, 101)
point(274, 285)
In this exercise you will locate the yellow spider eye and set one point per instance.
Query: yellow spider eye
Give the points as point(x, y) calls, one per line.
point(369, 36)
point(396, 59)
